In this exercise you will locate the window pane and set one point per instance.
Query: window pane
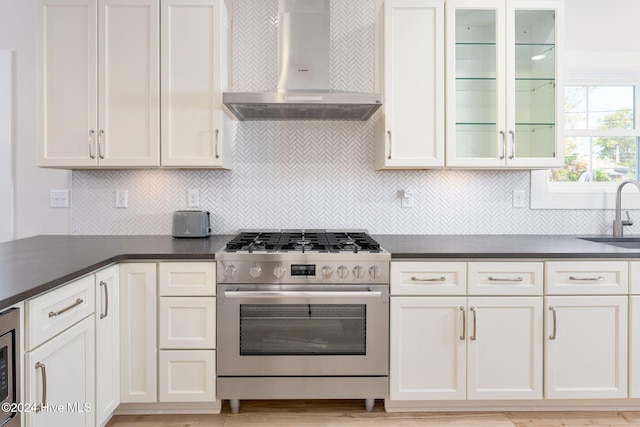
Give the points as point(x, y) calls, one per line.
point(576, 161)
point(575, 107)
point(610, 107)
point(616, 156)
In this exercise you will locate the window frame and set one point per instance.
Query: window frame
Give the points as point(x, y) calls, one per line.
point(591, 195)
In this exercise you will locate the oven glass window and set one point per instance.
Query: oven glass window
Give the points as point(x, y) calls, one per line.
point(302, 329)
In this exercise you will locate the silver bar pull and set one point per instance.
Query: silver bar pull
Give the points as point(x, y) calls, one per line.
point(473, 336)
point(513, 144)
point(216, 145)
point(100, 141)
point(437, 279)
point(44, 385)
point(301, 294)
point(103, 285)
point(59, 312)
point(587, 279)
point(502, 143)
point(464, 324)
point(92, 135)
point(553, 333)
point(389, 133)
point(505, 279)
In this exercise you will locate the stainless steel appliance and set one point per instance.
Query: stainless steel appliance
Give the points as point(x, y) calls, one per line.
point(10, 368)
point(302, 314)
point(191, 224)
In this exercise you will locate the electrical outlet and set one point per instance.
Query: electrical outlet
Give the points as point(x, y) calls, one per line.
point(193, 198)
point(406, 199)
point(518, 199)
point(122, 198)
point(59, 198)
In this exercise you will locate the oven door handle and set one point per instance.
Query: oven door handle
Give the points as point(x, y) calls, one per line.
point(301, 294)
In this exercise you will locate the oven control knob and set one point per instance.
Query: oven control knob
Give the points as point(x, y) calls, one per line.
point(327, 272)
point(255, 271)
point(343, 272)
point(279, 271)
point(230, 271)
point(374, 272)
point(358, 271)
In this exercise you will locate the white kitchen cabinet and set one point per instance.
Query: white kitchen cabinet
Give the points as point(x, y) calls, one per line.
point(634, 346)
point(586, 347)
point(587, 277)
point(187, 278)
point(504, 94)
point(454, 348)
point(98, 94)
point(506, 278)
point(428, 278)
point(187, 322)
point(62, 370)
point(196, 132)
point(107, 320)
point(410, 126)
point(138, 342)
point(187, 376)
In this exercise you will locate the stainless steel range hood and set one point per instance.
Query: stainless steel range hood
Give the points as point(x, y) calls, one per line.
point(303, 91)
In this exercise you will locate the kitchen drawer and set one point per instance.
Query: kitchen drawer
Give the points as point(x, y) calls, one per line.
point(187, 278)
point(634, 278)
point(49, 314)
point(187, 376)
point(505, 278)
point(187, 322)
point(587, 277)
point(428, 278)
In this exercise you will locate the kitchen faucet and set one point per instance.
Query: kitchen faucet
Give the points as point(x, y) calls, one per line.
point(618, 224)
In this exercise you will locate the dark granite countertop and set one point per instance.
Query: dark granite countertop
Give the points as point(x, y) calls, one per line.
point(34, 265)
point(499, 246)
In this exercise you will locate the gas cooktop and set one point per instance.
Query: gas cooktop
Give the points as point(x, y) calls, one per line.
point(303, 241)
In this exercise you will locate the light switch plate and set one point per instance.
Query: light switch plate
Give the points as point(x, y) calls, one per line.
point(122, 198)
point(59, 198)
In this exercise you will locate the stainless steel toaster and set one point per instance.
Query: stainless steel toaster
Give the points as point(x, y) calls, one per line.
point(191, 224)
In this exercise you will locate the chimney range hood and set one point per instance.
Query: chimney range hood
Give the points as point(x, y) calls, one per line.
point(303, 83)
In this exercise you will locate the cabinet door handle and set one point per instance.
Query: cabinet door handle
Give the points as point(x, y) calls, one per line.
point(473, 334)
point(464, 324)
point(43, 371)
point(100, 141)
point(502, 143)
point(505, 279)
point(59, 312)
point(553, 332)
point(587, 279)
point(92, 141)
point(513, 144)
point(104, 286)
point(389, 154)
point(216, 144)
point(436, 279)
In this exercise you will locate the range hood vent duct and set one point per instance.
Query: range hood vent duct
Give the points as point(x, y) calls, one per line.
point(303, 91)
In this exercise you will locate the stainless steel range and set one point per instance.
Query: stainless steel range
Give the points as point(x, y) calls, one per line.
point(303, 314)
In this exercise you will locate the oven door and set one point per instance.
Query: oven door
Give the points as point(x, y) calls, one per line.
point(294, 330)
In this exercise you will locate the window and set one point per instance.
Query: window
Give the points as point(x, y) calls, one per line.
point(601, 137)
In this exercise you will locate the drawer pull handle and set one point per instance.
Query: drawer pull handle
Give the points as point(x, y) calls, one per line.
point(473, 334)
point(103, 285)
point(44, 385)
point(505, 279)
point(587, 279)
point(553, 333)
point(437, 279)
point(59, 312)
point(464, 324)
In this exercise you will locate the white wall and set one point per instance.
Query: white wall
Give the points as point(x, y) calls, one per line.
point(32, 212)
point(6, 160)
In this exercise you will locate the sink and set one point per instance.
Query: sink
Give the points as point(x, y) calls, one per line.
point(621, 242)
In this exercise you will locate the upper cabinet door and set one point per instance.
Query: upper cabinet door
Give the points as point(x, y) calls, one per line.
point(67, 83)
point(476, 83)
point(195, 129)
point(410, 129)
point(129, 109)
point(504, 98)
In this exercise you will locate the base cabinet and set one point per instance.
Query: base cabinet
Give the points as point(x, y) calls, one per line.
point(187, 376)
point(456, 348)
point(586, 347)
point(60, 378)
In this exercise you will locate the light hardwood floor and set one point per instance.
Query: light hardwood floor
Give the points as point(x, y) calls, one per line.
point(351, 413)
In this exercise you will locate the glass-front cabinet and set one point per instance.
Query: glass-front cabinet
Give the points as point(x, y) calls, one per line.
point(504, 102)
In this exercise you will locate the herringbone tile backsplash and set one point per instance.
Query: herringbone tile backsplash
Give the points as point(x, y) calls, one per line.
point(315, 174)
